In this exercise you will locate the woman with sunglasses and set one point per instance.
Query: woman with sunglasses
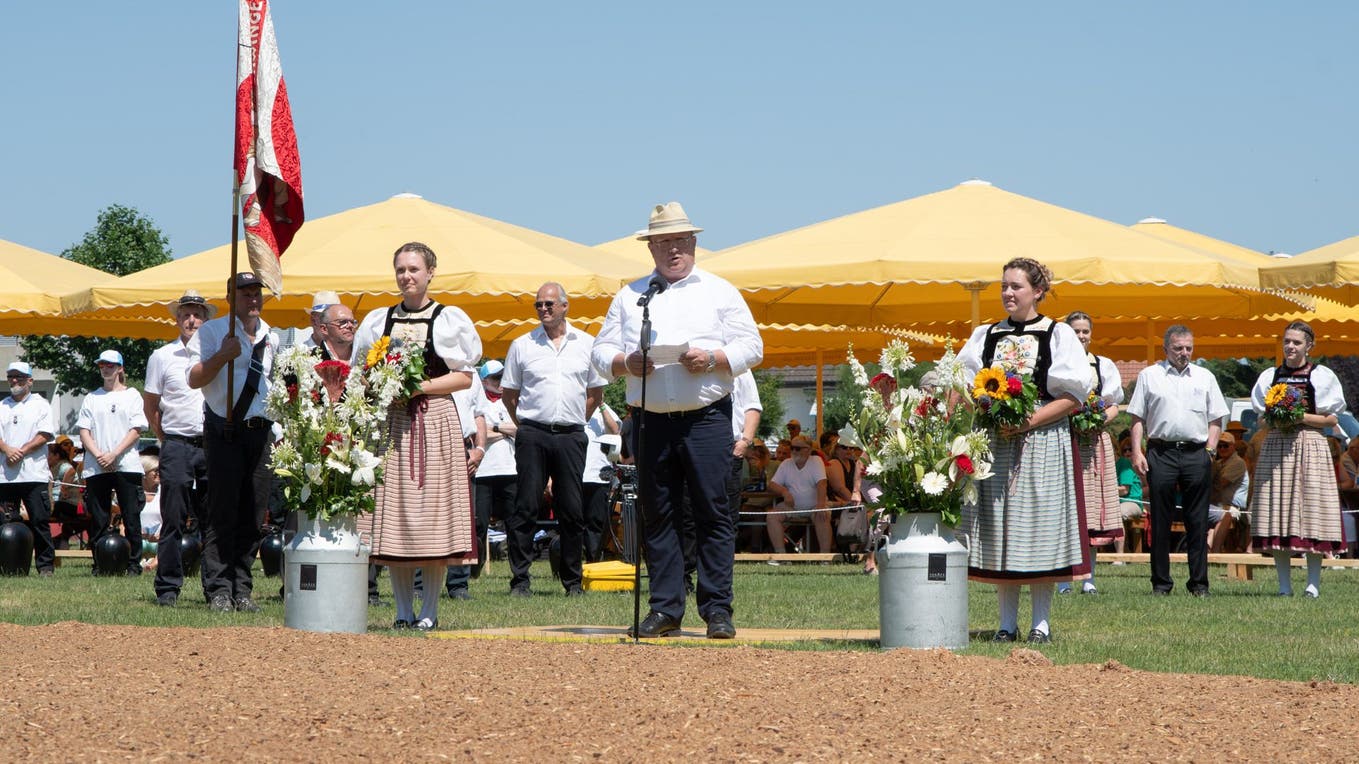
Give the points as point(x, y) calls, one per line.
point(1295, 502)
point(1099, 478)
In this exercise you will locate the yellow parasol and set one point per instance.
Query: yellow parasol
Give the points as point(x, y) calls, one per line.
point(1331, 271)
point(938, 257)
point(31, 285)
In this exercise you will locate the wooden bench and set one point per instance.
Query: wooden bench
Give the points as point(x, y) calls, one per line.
point(797, 557)
point(1240, 567)
point(1136, 528)
point(81, 554)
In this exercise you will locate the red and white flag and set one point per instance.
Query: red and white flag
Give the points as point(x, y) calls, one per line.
point(268, 168)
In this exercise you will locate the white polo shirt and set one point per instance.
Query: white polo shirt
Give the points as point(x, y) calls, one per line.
point(208, 340)
point(108, 416)
point(19, 422)
point(551, 380)
point(181, 406)
point(1177, 405)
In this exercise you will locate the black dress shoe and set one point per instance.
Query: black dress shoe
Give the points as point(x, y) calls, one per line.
point(656, 625)
point(1161, 592)
point(1199, 593)
point(575, 591)
point(222, 604)
point(1037, 637)
point(1004, 636)
point(401, 624)
point(720, 626)
point(246, 605)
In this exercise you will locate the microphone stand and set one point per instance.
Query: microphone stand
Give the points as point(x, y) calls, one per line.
point(645, 347)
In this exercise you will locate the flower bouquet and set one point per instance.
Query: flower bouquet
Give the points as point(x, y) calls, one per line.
point(394, 369)
point(1284, 406)
point(1003, 398)
point(1089, 420)
point(332, 433)
point(921, 451)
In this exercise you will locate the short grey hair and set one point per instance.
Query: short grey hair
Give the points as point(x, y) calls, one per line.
point(1175, 330)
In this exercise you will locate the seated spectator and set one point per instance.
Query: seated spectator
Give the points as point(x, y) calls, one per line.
point(1349, 460)
point(150, 517)
point(782, 451)
point(1230, 493)
point(1129, 489)
point(65, 489)
point(800, 483)
point(825, 446)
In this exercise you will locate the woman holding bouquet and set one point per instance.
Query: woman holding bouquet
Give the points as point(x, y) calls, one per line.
point(1026, 527)
point(1296, 503)
point(1099, 475)
point(424, 507)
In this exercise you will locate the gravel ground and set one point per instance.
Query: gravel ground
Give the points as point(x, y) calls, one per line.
point(111, 693)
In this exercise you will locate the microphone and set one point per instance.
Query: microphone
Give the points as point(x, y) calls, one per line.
point(655, 287)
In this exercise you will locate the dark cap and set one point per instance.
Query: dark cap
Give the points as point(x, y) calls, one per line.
point(245, 279)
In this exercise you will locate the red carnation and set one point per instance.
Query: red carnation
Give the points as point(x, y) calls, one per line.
point(926, 405)
point(1014, 385)
point(292, 393)
point(965, 464)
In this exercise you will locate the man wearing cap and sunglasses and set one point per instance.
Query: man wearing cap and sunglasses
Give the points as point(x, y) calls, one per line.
point(25, 431)
point(237, 453)
point(175, 412)
point(687, 419)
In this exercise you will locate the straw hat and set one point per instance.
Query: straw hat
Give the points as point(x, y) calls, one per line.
point(322, 300)
point(192, 297)
point(667, 218)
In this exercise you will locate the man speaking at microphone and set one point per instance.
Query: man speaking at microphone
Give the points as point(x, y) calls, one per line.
point(702, 335)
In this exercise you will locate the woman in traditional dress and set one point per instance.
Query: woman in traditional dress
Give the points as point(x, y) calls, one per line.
point(111, 420)
point(1026, 527)
point(1099, 473)
point(424, 503)
point(1296, 503)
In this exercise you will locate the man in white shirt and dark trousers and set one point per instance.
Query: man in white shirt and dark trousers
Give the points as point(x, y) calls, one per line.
point(25, 431)
point(550, 390)
point(1177, 405)
point(685, 442)
point(237, 453)
point(175, 412)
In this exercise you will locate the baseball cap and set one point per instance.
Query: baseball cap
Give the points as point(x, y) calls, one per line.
point(246, 279)
point(490, 369)
point(110, 356)
point(20, 367)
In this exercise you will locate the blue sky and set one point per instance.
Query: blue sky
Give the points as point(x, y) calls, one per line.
point(1235, 119)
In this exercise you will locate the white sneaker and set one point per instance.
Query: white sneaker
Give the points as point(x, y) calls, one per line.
point(1311, 592)
point(775, 563)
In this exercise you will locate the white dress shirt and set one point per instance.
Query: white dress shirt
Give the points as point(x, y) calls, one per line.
point(745, 397)
point(701, 309)
point(551, 379)
point(1330, 396)
point(181, 406)
point(19, 422)
point(208, 340)
point(1177, 405)
point(109, 416)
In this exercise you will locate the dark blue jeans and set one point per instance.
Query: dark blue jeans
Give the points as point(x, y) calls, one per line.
point(687, 455)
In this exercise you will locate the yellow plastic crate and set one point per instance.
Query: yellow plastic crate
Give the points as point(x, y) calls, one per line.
point(611, 576)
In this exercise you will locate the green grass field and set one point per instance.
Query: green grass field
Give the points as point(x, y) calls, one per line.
point(1242, 629)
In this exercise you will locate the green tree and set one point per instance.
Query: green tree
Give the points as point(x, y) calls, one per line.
point(771, 418)
point(122, 241)
point(1236, 376)
point(616, 395)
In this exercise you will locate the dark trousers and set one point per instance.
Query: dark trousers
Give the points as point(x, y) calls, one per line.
point(238, 496)
point(595, 498)
point(183, 485)
point(1189, 473)
point(492, 496)
point(538, 455)
point(34, 498)
point(734, 486)
point(99, 492)
point(688, 455)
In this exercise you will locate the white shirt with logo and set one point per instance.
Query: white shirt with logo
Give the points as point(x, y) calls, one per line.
point(108, 416)
point(21, 421)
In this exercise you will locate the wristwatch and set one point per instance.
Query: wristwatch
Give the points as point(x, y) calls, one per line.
point(495, 428)
point(712, 361)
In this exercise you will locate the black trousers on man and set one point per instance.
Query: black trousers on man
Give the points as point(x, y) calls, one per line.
point(238, 497)
point(595, 499)
point(127, 486)
point(687, 454)
point(183, 486)
point(543, 451)
point(35, 500)
point(1185, 469)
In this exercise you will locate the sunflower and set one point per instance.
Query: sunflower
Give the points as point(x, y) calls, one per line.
point(1276, 394)
point(377, 352)
point(991, 381)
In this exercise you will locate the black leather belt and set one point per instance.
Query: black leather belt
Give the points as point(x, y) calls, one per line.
point(1177, 445)
point(690, 414)
point(553, 427)
point(194, 440)
point(252, 423)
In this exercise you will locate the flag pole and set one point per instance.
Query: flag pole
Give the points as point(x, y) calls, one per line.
point(231, 295)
